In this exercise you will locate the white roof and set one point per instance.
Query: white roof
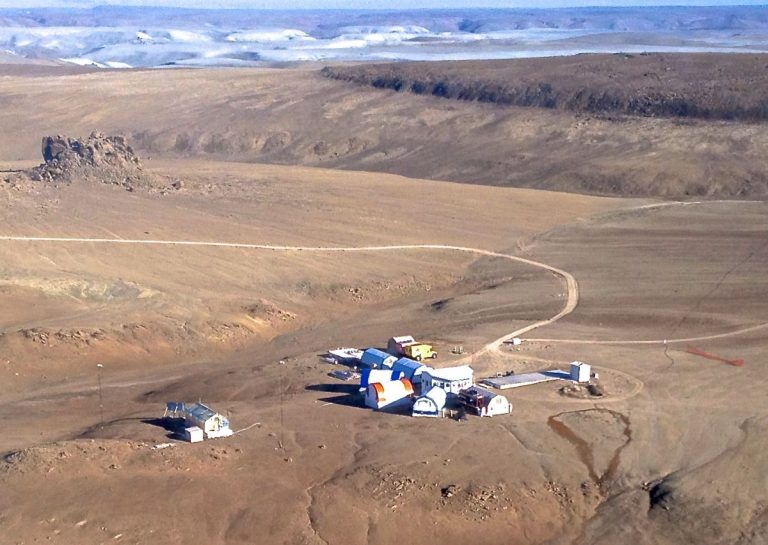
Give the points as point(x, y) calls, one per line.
point(403, 339)
point(461, 372)
point(526, 379)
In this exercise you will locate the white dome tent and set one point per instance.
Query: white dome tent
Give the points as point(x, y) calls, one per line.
point(430, 404)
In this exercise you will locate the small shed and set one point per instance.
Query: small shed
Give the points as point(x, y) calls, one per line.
point(212, 423)
point(368, 376)
point(193, 434)
point(389, 395)
point(580, 371)
point(483, 402)
point(377, 359)
point(450, 379)
point(395, 344)
point(430, 404)
point(410, 369)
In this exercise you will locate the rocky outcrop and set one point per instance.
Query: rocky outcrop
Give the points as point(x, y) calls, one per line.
point(99, 158)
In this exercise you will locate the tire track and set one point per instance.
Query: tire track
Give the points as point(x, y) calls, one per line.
point(715, 336)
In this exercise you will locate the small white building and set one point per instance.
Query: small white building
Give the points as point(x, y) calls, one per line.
point(193, 434)
point(483, 402)
point(389, 395)
point(396, 345)
point(430, 404)
point(450, 379)
point(580, 371)
point(212, 423)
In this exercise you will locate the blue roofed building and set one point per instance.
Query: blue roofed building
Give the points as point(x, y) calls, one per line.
point(377, 359)
point(410, 369)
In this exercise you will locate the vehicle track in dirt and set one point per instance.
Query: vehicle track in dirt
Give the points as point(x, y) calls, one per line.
point(711, 337)
point(572, 286)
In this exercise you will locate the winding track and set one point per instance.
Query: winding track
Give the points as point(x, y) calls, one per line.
point(712, 337)
point(570, 281)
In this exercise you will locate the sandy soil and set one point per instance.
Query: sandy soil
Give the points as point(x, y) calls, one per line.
point(671, 454)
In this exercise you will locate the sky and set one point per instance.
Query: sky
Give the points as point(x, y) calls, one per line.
point(368, 4)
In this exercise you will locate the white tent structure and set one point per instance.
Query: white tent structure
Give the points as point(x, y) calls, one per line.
point(377, 359)
point(450, 379)
point(389, 395)
point(430, 404)
point(410, 369)
point(369, 376)
point(483, 402)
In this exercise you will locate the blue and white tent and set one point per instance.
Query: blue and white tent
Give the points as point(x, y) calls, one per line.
point(410, 369)
point(369, 376)
point(430, 404)
point(377, 359)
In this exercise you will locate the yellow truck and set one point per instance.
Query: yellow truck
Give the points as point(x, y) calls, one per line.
point(409, 347)
point(419, 351)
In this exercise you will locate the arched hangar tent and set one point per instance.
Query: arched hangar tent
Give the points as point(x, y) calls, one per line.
point(377, 359)
point(484, 402)
point(430, 404)
point(389, 395)
point(368, 376)
point(411, 369)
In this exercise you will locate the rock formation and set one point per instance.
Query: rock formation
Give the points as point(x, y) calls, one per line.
point(100, 158)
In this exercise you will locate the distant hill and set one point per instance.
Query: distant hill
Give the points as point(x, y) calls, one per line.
point(298, 117)
point(711, 86)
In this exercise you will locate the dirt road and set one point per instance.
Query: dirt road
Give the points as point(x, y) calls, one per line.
point(712, 337)
point(572, 286)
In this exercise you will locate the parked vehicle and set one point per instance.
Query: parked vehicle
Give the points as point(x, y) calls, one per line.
point(410, 348)
point(419, 351)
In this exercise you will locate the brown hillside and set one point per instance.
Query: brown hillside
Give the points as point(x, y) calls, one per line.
point(299, 117)
point(707, 86)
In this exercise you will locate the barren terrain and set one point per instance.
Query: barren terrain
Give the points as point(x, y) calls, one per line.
point(300, 117)
point(238, 314)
